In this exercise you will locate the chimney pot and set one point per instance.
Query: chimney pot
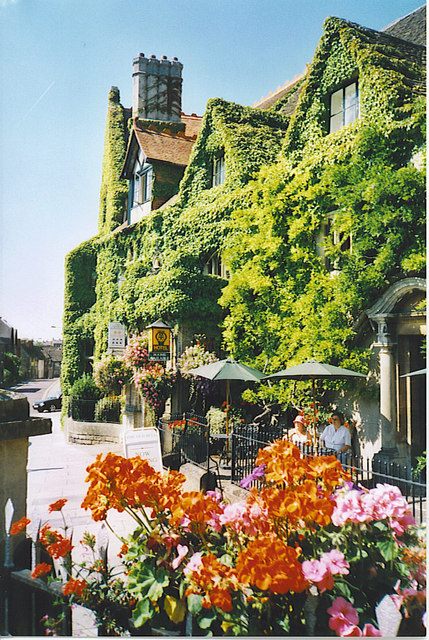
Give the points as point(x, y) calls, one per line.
point(153, 56)
point(163, 57)
point(141, 55)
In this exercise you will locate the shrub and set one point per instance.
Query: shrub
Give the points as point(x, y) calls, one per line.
point(108, 410)
point(85, 388)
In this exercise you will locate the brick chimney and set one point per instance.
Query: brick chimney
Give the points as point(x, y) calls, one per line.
point(157, 88)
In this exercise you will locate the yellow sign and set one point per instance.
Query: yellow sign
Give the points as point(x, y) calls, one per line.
point(159, 340)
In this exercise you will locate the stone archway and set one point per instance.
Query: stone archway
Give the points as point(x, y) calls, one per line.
point(400, 322)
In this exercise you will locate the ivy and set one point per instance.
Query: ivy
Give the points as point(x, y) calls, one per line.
point(294, 293)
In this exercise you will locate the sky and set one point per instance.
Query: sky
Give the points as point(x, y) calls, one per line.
point(58, 60)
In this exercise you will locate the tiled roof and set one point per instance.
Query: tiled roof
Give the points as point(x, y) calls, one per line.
point(411, 27)
point(278, 94)
point(165, 146)
point(192, 124)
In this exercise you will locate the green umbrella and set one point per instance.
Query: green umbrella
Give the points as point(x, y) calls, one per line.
point(227, 370)
point(314, 370)
point(420, 372)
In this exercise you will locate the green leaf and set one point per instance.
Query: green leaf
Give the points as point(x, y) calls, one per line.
point(194, 603)
point(142, 612)
point(149, 582)
point(387, 548)
point(205, 622)
point(342, 589)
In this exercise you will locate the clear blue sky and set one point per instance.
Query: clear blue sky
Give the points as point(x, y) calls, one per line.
point(58, 60)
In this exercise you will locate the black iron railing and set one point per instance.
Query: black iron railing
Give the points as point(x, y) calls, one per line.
point(366, 472)
point(184, 438)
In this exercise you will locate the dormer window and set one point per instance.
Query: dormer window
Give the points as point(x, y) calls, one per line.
point(142, 186)
point(219, 171)
point(344, 106)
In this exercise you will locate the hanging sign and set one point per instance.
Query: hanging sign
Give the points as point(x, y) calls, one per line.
point(159, 341)
point(144, 443)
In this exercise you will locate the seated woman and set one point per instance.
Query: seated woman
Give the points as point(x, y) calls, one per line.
point(336, 436)
point(298, 435)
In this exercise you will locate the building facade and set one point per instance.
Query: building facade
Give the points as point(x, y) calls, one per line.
point(283, 230)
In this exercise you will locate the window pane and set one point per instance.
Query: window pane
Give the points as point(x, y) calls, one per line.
point(337, 102)
point(336, 122)
point(350, 98)
point(350, 115)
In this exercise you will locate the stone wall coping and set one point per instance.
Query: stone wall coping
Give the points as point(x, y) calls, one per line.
point(16, 429)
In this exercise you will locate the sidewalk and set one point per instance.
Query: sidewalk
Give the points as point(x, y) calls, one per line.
point(57, 469)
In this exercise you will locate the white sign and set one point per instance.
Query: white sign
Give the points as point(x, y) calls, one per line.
point(388, 617)
point(144, 443)
point(116, 335)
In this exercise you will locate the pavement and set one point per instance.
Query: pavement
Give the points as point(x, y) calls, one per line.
point(57, 469)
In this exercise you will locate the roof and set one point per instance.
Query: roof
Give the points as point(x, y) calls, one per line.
point(192, 124)
point(279, 93)
point(162, 142)
point(411, 27)
point(165, 146)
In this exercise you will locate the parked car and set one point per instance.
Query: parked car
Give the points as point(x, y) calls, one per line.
point(53, 403)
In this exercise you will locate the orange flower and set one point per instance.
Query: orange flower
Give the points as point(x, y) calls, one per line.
point(75, 587)
point(41, 569)
point(56, 545)
point(19, 525)
point(120, 483)
point(216, 580)
point(271, 565)
point(193, 511)
point(58, 505)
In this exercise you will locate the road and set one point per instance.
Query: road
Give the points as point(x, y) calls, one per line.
point(57, 469)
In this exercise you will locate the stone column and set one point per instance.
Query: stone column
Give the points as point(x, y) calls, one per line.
point(387, 390)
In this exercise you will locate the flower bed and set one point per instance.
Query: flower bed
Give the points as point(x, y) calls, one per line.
point(308, 553)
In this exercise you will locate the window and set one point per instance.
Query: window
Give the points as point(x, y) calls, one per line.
point(215, 267)
point(142, 186)
point(344, 107)
point(219, 171)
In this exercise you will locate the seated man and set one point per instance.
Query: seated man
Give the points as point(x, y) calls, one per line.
point(336, 436)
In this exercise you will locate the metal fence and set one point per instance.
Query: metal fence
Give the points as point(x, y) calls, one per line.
point(104, 410)
point(366, 472)
point(184, 438)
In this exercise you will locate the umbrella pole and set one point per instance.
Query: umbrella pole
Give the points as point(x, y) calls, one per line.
point(227, 407)
point(314, 409)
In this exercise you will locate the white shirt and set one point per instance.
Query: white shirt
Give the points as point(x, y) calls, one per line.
point(336, 439)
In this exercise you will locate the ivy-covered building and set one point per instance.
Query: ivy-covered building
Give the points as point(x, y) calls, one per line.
point(290, 230)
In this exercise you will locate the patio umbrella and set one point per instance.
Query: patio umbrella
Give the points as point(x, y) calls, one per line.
point(227, 370)
point(314, 370)
point(420, 372)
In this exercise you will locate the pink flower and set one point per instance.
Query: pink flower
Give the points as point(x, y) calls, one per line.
point(335, 561)
point(369, 631)
point(318, 572)
point(182, 550)
point(194, 564)
point(344, 617)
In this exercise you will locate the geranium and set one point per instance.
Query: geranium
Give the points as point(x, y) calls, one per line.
point(75, 587)
point(250, 567)
point(19, 526)
point(40, 569)
point(56, 544)
point(58, 505)
point(383, 502)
